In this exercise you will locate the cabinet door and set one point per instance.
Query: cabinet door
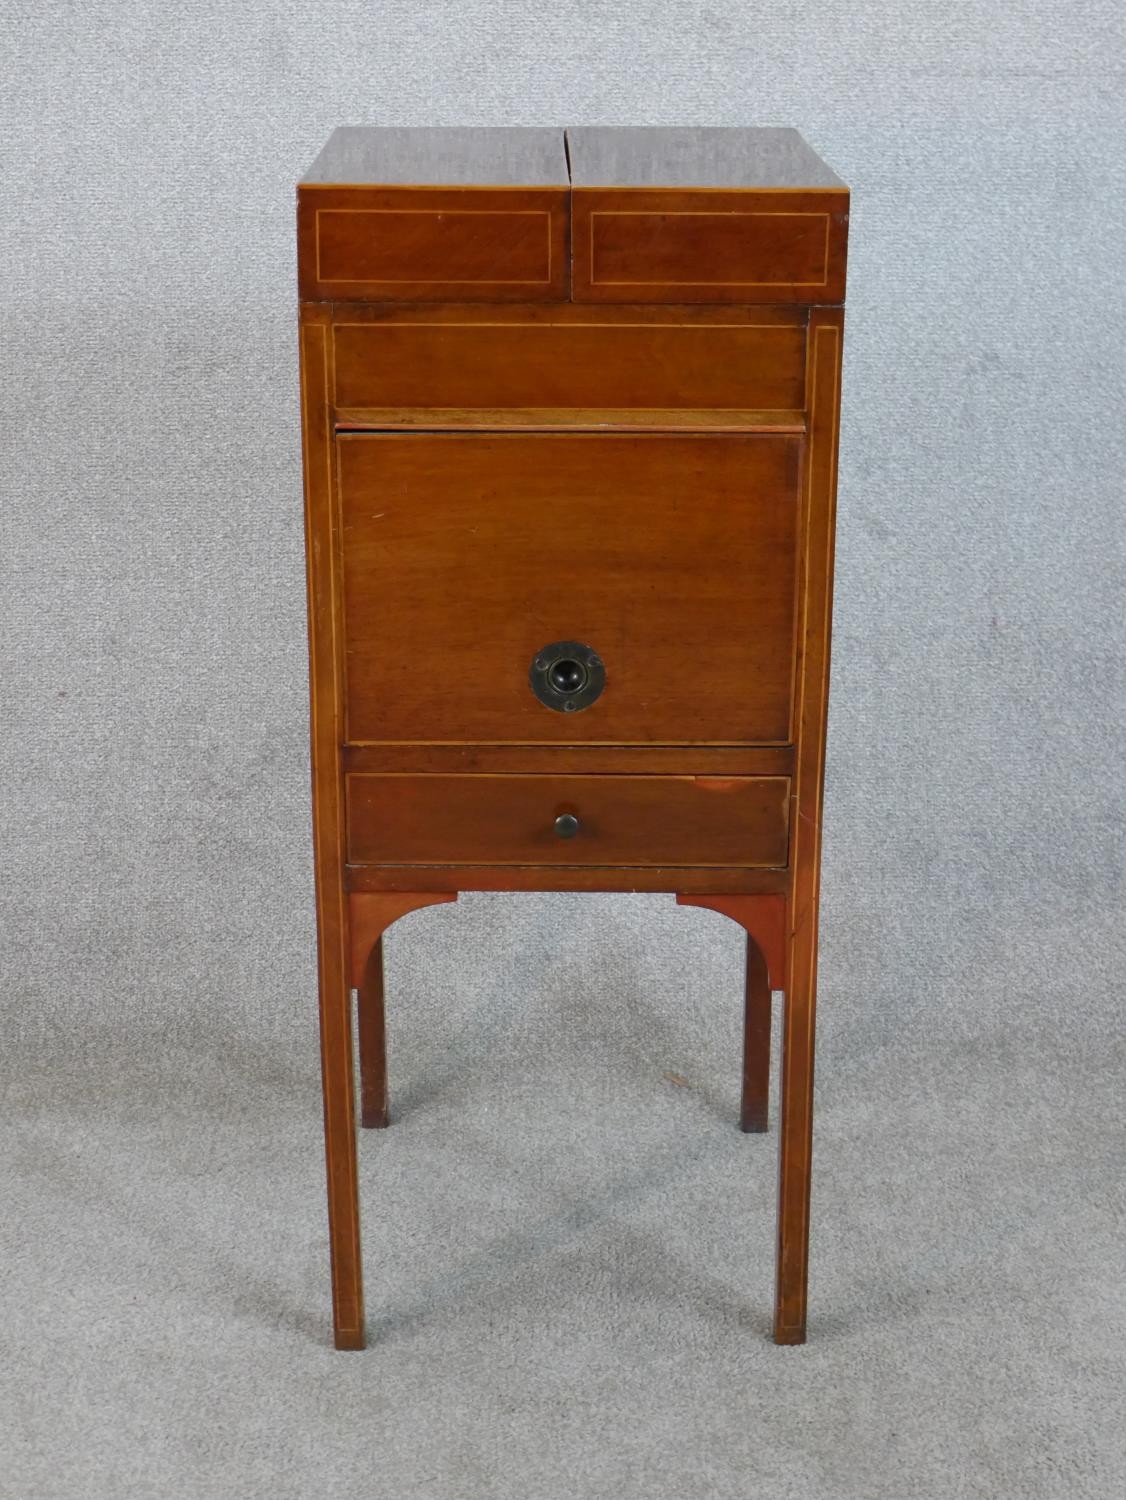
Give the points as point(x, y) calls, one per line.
point(672, 558)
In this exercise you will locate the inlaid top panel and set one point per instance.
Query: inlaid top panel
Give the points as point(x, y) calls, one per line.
point(695, 157)
point(440, 156)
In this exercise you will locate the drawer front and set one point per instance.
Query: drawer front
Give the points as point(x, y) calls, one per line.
point(709, 247)
point(673, 559)
point(433, 244)
point(734, 822)
point(586, 361)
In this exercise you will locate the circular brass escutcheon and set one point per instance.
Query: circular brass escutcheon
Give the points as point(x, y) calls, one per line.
point(567, 676)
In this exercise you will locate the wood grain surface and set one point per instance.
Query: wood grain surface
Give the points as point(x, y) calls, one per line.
point(573, 358)
point(433, 244)
point(733, 821)
point(695, 156)
point(441, 156)
point(672, 557)
point(648, 245)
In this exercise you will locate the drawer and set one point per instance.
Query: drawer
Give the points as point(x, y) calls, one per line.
point(568, 357)
point(433, 244)
point(709, 246)
point(734, 822)
point(672, 558)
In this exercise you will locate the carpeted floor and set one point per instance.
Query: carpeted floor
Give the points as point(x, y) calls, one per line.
point(568, 1244)
point(567, 1247)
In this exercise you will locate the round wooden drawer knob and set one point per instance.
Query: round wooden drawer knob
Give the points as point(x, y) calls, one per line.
point(567, 825)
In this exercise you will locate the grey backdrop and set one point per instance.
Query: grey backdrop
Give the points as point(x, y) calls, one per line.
point(568, 1254)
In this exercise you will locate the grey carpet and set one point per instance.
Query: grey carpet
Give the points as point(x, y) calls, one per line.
point(568, 1254)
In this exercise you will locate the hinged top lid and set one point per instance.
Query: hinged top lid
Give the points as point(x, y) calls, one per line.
point(441, 156)
point(632, 214)
point(695, 157)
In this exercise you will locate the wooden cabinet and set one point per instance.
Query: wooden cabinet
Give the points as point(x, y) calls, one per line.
point(570, 411)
